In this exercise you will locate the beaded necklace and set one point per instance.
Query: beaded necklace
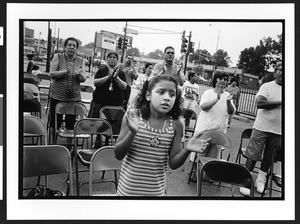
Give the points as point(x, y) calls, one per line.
point(154, 141)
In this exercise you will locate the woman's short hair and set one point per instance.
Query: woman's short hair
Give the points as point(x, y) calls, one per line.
point(216, 76)
point(144, 105)
point(233, 80)
point(168, 47)
point(114, 53)
point(146, 66)
point(71, 38)
point(191, 75)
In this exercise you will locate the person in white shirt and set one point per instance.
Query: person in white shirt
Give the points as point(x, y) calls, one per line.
point(216, 105)
point(142, 78)
point(190, 92)
point(266, 134)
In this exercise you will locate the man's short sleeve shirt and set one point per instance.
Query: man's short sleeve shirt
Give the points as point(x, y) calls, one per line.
point(269, 120)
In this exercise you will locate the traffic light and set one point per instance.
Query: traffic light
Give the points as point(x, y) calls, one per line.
point(191, 47)
point(183, 43)
point(125, 43)
point(120, 43)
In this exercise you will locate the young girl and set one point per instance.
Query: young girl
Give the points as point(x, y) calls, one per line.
point(150, 137)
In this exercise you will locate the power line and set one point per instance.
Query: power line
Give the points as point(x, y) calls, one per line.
point(173, 32)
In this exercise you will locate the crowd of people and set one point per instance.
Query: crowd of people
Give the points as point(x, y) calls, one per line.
point(151, 131)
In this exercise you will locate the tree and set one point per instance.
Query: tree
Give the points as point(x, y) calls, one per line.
point(157, 54)
point(90, 45)
point(201, 57)
point(221, 58)
point(134, 51)
point(259, 60)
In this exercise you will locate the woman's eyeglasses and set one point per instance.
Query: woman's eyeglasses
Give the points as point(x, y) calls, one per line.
point(223, 78)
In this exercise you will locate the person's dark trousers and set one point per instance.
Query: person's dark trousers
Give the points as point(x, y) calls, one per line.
point(127, 92)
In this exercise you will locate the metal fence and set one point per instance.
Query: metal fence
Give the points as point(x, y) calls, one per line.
point(247, 104)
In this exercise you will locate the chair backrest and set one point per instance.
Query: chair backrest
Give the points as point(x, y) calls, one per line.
point(191, 115)
point(246, 134)
point(34, 126)
point(86, 88)
point(218, 141)
point(114, 115)
point(29, 87)
point(30, 78)
point(72, 108)
point(44, 76)
point(33, 106)
point(103, 160)
point(92, 126)
point(27, 95)
point(226, 172)
point(47, 160)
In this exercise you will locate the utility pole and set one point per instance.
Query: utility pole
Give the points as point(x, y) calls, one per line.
point(187, 53)
point(57, 40)
point(123, 47)
point(49, 44)
point(38, 46)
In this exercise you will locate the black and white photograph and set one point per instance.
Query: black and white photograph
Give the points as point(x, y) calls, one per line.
point(128, 113)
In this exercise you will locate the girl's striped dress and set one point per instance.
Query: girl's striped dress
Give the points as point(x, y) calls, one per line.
point(143, 171)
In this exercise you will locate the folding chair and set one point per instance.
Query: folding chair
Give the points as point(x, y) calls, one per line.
point(277, 156)
point(30, 87)
point(91, 127)
point(225, 172)
point(218, 144)
point(245, 136)
point(34, 128)
point(190, 119)
point(114, 115)
point(86, 94)
point(30, 78)
point(47, 160)
point(104, 160)
point(72, 108)
point(32, 106)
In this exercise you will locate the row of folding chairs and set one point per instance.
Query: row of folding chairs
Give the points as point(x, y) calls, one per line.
point(47, 160)
point(84, 128)
point(212, 168)
point(210, 163)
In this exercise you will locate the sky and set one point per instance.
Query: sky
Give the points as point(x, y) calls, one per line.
point(234, 36)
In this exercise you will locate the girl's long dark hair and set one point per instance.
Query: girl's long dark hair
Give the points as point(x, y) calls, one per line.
point(144, 106)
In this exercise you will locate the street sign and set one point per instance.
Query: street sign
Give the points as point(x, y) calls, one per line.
point(109, 40)
point(130, 31)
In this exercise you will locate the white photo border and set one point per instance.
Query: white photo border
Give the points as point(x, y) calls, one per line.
point(146, 209)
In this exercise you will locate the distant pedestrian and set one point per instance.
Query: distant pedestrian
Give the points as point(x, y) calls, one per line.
point(150, 137)
point(146, 74)
point(191, 92)
point(168, 67)
point(130, 74)
point(266, 134)
point(234, 90)
point(30, 63)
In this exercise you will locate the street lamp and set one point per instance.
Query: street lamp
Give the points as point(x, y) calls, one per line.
point(218, 35)
point(214, 67)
